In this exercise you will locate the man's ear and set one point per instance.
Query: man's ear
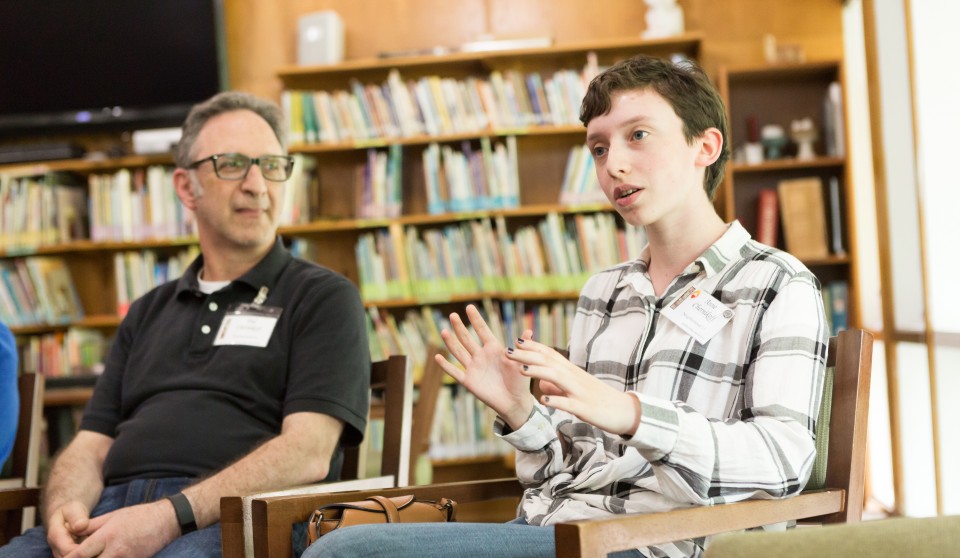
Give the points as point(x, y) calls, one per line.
point(711, 146)
point(184, 188)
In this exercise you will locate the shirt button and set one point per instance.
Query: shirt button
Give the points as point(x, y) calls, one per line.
point(213, 306)
point(205, 329)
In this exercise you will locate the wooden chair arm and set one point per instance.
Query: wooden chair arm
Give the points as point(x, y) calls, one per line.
point(595, 538)
point(19, 498)
point(273, 517)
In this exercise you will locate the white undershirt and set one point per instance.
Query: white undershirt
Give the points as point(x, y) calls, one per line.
point(208, 287)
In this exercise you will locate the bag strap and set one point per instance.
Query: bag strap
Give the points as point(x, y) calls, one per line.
point(389, 508)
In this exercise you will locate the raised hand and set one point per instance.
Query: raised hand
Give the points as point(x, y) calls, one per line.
point(486, 372)
point(569, 388)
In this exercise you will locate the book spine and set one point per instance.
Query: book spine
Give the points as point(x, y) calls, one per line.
point(767, 217)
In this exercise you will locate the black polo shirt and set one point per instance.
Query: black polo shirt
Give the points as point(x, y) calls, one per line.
point(177, 405)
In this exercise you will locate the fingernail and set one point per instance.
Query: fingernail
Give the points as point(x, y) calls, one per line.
point(509, 350)
point(519, 340)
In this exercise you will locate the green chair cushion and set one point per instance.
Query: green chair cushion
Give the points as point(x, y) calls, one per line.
point(930, 537)
point(819, 474)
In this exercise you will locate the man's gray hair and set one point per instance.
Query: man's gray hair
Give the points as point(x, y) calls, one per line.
point(228, 101)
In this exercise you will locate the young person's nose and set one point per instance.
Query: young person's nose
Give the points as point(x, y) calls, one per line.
point(618, 164)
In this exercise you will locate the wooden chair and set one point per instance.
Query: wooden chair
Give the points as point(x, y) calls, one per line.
point(19, 495)
point(838, 500)
point(391, 381)
point(431, 382)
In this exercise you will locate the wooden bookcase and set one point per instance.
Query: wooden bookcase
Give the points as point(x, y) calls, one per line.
point(773, 94)
point(779, 94)
point(542, 158)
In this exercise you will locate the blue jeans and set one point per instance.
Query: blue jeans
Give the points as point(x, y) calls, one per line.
point(516, 539)
point(203, 543)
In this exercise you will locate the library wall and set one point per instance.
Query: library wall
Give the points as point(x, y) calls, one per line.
point(262, 36)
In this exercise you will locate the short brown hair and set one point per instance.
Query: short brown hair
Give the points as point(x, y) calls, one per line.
point(228, 101)
point(682, 84)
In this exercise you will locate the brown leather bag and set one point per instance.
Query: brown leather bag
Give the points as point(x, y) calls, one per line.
point(378, 509)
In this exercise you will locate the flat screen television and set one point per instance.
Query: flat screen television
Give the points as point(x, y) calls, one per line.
point(79, 66)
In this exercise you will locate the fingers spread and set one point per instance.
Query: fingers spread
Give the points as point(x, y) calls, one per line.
point(450, 368)
point(463, 334)
point(480, 325)
point(456, 348)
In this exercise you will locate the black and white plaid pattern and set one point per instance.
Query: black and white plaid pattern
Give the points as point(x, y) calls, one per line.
point(723, 421)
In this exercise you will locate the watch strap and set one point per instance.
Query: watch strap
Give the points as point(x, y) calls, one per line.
point(184, 511)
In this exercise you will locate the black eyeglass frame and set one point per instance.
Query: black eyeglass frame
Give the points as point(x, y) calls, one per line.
point(250, 162)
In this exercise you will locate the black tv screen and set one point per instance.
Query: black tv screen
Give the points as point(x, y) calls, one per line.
point(75, 65)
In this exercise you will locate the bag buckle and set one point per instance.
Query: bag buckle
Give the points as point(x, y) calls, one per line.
point(315, 519)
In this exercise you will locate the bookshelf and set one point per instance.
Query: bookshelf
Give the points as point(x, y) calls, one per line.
point(67, 348)
point(759, 95)
point(542, 147)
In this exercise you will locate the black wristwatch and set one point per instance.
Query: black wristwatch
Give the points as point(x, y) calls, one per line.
point(185, 517)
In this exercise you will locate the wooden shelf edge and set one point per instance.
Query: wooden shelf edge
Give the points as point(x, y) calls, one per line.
point(685, 42)
point(95, 246)
point(85, 165)
point(100, 321)
point(473, 297)
point(317, 148)
point(787, 164)
point(349, 224)
point(457, 461)
point(62, 397)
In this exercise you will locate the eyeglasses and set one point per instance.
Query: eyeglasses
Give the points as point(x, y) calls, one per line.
point(235, 166)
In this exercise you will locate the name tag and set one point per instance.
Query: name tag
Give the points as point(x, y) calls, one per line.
point(698, 313)
point(248, 324)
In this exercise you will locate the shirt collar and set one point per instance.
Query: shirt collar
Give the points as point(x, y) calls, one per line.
point(265, 273)
point(726, 249)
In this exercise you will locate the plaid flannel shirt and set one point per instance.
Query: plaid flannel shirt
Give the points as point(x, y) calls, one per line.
point(723, 421)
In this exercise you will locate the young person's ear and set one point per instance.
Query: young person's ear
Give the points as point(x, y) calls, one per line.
point(711, 146)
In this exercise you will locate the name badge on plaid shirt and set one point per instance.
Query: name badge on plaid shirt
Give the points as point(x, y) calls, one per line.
point(698, 313)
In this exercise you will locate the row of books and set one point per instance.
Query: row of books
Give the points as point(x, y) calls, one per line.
point(465, 179)
point(37, 290)
point(129, 205)
point(136, 273)
point(580, 184)
point(137, 204)
point(436, 106)
point(48, 209)
point(463, 427)
point(471, 180)
point(379, 184)
point(482, 256)
point(74, 352)
point(810, 216)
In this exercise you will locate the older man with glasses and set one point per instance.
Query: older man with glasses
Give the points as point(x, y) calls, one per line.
point(249, 372)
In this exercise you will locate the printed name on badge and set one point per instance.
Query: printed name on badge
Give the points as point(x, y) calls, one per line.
point(698, 313)
point(248, 324)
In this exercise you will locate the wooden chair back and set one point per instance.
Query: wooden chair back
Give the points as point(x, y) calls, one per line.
point(850, 355)
point(391, 386)
point(428, 388)
point(840, 500)
point(20, 492)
